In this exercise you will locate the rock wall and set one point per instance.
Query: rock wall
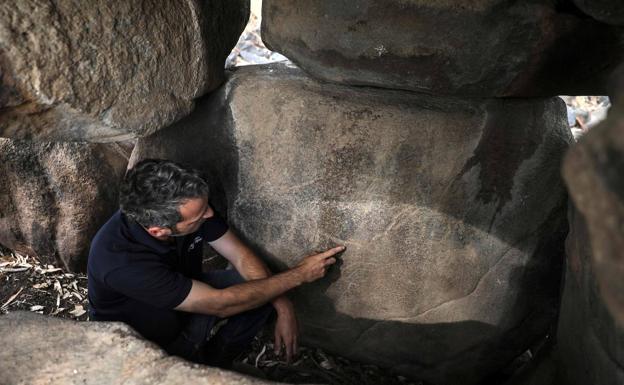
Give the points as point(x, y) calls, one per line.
point(55, 196)
point(607, 11)
point(91, 353)
point(451, 205)
point(591, 326)
point(594, 171)
point(485, 48)
point(454, 252)
point(590, 339)
point(109, 70)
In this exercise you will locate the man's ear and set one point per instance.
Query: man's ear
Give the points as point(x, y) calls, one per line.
point(158, 232)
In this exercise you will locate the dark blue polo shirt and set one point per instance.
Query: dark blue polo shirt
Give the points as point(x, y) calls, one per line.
point(138, 279)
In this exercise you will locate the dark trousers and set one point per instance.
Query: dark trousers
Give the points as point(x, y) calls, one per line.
point(234, 335)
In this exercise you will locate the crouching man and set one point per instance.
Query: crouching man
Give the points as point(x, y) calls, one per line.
point(145, 269)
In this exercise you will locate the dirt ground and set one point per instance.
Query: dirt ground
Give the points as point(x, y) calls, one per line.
point(26, 284)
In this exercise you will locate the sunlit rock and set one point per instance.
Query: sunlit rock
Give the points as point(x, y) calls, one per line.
point(109, 70)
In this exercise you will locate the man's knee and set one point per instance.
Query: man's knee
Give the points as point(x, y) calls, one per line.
point(261, 314)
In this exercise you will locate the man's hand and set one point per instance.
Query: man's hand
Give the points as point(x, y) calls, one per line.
point(235, 299)
point(315, 266)
point(311, 268)
point(286, 328)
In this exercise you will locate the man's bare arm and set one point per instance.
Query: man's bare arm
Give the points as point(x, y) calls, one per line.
point(241, 256)
point(247, 263)
point(251, 267)
point(251, 294)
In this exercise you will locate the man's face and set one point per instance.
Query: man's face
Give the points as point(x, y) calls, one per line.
point(194, 212)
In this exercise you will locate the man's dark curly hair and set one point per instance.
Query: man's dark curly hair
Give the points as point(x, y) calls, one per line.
point(153, 191)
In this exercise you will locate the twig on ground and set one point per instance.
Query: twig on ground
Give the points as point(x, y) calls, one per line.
point(11, 298)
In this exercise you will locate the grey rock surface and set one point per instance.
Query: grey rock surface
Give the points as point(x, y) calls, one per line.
point(590, 342)
point(593, 171)
point(109, 70)
point(55, 196)
point(40, 349)
point(481, 48)
point(453, 212)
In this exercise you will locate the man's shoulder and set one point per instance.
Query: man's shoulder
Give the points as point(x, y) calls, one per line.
point(213, 228)
point(112, 245)
point(110, 236)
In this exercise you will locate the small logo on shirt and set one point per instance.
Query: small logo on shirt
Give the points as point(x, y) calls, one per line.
point(195, 241)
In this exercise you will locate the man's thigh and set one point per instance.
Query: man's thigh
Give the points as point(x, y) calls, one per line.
point(196, 327)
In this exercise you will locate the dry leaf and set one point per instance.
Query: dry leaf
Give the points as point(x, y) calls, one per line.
point(57, 286)
point(36, 308)
point(11, 298)
point(326, 365)
point(78, 311)
point(260, 355)
point(58, 310)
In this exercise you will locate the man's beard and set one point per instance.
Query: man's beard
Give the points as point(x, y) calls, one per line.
point(176, 233)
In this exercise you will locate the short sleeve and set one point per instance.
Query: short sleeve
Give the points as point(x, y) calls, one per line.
point(213, 228)
point(150, 282)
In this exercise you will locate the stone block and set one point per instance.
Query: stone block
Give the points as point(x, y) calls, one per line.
point(484, 48)
point(590, 342)
point(594, 173)
point(607, 11)
point(453, 212)
point(46, 350)
point(55, 196)
point(109, 70)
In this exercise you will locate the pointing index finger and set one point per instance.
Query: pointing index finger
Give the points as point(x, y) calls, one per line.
point(333, 251)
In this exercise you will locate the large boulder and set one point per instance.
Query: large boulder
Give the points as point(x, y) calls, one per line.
point(452, 210)
point(109, 70)
point(45, 350)
point(473, 48)
point(590, 341)
point(594, 172)
point(607, 11)
point(55, 196)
